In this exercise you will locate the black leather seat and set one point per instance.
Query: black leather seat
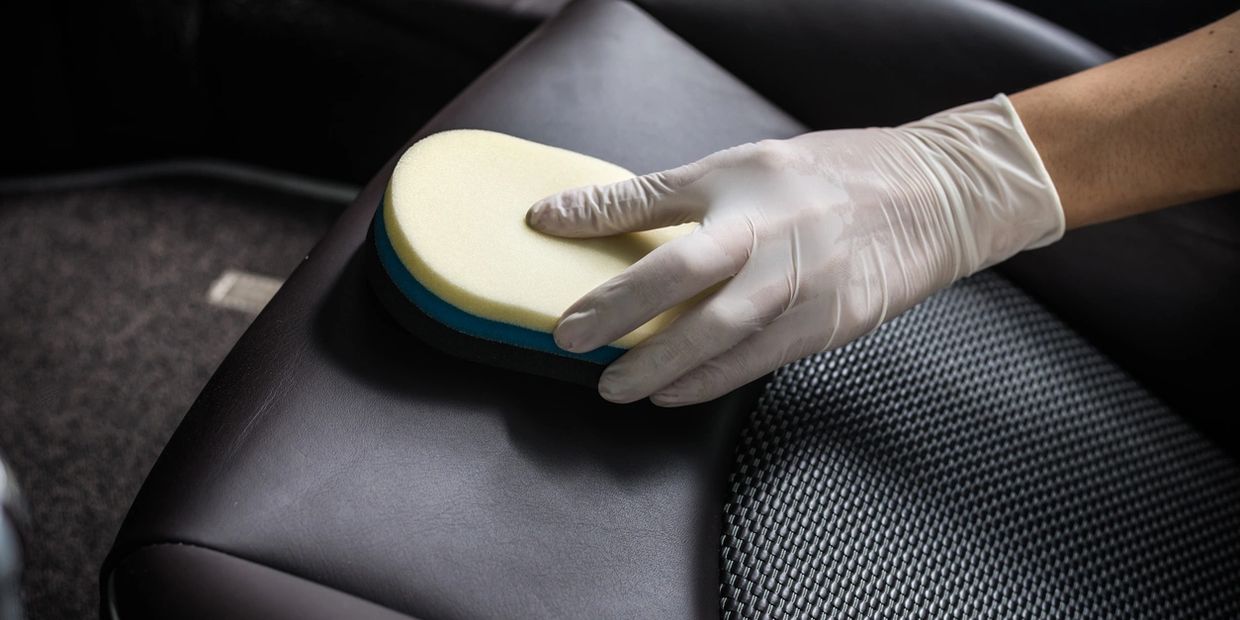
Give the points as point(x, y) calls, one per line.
point(335, 467)
point(335, 448)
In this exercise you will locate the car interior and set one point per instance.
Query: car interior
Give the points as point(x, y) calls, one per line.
point(207, 410)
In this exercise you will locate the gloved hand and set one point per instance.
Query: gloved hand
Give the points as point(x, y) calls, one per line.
point(817, 240)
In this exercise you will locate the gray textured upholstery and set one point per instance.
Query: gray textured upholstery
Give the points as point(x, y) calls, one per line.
point(975, 458)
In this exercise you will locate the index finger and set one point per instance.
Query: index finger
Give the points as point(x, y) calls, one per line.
point(670, 274)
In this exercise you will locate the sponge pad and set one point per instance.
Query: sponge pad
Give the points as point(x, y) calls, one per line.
point(453, 247)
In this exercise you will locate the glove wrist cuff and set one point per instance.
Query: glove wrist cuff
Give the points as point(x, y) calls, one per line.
point(998, 191)
point(1037, 168)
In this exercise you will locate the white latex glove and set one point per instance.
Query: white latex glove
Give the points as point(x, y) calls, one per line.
point(824, 237)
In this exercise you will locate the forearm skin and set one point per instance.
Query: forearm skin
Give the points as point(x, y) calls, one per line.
point(1151, 130)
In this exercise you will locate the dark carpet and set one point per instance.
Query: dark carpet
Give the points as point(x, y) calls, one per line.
point(106, 337)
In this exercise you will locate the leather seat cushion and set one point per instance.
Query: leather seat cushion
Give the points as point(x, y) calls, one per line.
point(333, 447)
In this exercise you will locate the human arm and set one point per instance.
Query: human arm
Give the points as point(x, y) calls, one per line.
point(814, 241)
point(1155, 129)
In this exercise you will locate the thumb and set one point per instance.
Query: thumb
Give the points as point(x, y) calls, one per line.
point(640, 203)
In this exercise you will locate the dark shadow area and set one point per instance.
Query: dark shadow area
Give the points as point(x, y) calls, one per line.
point(323, 88)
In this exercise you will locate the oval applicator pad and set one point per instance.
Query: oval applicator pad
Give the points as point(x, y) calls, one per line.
point(456, 264)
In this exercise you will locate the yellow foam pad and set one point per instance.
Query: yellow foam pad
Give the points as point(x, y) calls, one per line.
point(455, 214)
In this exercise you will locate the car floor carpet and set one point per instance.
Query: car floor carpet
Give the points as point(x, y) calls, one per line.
point(107, 336)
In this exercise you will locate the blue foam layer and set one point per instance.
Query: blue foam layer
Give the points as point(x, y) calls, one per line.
point(466, 323)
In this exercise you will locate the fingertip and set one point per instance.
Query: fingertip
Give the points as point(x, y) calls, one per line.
point(562, 214)
point(617, 386)
point(614, 394)
point(562, 341)
point(540, 214)
point(573, 332)
point(669, 400)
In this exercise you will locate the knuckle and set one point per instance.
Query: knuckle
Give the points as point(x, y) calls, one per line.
point(771, 303)
point(731, 155)
point(677, 260)
point(717, 316)
point(735, 237)
point(686, 266)
point(771, 154)
point(670, 180)
point(729, 315)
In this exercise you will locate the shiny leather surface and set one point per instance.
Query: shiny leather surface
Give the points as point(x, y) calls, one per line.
point(334, 447)
point(605, 79)
point(849, 63)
